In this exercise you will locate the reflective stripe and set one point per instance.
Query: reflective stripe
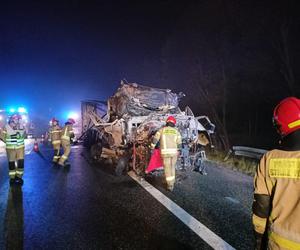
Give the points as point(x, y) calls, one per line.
point(55, 131)
point(56, 157)
point(65, 137)
point(14, 146)
point(284, 243)
point(56, 142)
point(259, 223)
point(166, 151)
point(66, 131)
point(294, 124)
point(12, 141)
point(64, 157)
point(169, 131)
point(285, 168)
point(170, 178)
point(12, 172)
point(164, 146)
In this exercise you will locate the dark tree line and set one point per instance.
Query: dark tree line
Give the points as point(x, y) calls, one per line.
point(235, 60)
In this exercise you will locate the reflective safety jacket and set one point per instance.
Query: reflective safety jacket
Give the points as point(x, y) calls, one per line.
point(55, 134)
point(276, 206)
point(67, 133)
point(169, 141)
point(13, 138)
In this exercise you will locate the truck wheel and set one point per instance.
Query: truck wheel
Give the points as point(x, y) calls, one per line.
point(121, 166)
point(96, 151)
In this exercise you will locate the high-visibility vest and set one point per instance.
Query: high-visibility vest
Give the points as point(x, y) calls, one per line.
point(14, 138)
point(67, 133)
point(55, 134)
point(169, 139)
point(278, 177)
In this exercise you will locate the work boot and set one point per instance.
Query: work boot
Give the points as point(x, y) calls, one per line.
point(19, 181)
point(67, 163)
point(61, 164)
point(203, 172)
point(55, 161)
point(196, 169)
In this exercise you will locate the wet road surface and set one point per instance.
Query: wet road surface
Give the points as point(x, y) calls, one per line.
point(87, 207)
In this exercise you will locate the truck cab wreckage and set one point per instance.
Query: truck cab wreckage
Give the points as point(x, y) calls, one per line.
point(121, 130)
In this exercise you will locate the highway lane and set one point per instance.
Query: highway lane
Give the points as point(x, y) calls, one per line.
point(87, 207)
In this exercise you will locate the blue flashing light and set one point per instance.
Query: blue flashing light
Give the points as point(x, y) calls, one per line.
point(22, 110)
point(12, 110)
point(73, 115)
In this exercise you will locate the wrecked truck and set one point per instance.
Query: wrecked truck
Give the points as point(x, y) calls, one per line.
point(121, 129)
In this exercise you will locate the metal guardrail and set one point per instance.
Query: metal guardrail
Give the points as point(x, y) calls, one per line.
point(254, 153)
point(248, 152)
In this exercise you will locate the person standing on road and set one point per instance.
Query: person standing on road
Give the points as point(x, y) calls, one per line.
point(276, 205)
point(67, 136)
point(13, 136)
point(55, 138)
point(169, 140)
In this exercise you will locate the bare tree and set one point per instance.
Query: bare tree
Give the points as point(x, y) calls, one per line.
point(281, 45)
point(212, 103)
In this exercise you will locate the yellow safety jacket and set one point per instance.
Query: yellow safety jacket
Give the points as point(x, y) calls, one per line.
point(55, 134)
point(169, 139)
point(13, 138)
point(67, 133)
point(277, 180)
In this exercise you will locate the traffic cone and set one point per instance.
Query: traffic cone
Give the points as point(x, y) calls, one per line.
point(36, 147)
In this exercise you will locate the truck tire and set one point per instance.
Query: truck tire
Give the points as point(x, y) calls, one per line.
point(92, 137)
point(96, 151)
point(121, 166)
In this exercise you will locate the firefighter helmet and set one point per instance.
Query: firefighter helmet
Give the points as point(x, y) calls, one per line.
point(286, 116)
point(15, 117)
point(54, 120)
point(171, 119)
point(71, 121)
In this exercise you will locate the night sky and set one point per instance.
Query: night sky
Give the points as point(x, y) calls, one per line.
point(53, 54)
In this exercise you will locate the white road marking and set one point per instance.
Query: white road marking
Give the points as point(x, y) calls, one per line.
point(27, 152)
point(232, 199)
point(202, 231)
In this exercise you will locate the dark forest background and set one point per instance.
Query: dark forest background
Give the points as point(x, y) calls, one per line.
point(235, 60)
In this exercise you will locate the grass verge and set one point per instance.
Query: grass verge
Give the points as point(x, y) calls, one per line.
point(237, 163)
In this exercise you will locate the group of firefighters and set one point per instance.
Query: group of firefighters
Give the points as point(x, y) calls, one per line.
point(276, 205)
point(61, 137)
point(13, 135)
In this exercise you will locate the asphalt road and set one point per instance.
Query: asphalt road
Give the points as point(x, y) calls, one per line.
point(87, 207)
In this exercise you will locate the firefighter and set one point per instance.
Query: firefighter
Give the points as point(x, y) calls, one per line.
point(276, 205)
point(169, 140)
point(55, 138)
point(67, 136)
point(13, 135)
